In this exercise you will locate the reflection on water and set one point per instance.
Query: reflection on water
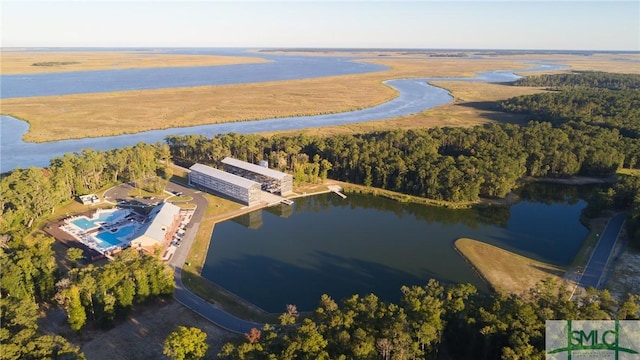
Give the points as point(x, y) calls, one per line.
point(366, 244)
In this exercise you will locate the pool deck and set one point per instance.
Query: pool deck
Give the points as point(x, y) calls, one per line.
point(76, 236)
point(54, 229)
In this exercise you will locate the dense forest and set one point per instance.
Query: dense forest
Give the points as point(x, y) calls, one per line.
point(30, 275)
point(588, 79)
point(455, 320)
point(587, 126)
point(454, 164)
point(28, 194)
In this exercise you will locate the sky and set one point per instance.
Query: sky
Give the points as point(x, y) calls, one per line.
point(538, 24)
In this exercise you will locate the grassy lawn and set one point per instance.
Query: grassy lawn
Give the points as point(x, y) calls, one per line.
point(73, 207)
point(630, 172)
point(179, 199)
point(596, 227)
point(512, 273)
point(218, 210)
point(505, 271)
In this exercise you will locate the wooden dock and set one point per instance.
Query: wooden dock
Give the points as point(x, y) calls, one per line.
point(337, 189)
point(339, 194)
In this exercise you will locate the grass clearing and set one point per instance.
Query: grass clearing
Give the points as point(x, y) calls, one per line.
point(22, 62)
point(596, 227)
point(140, 335)
point(629, 172)
point(513, 273)
point(506, 271)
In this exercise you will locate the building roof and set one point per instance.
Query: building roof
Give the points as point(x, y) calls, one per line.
point(224, 176)
point(159, 221)
point(254, 168)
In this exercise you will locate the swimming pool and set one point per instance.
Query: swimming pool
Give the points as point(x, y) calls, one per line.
point(84, 223)
point(100, 217)
point(106, 239)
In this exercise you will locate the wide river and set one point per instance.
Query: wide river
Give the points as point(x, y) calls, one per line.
point(363, 244)
point(415, 96)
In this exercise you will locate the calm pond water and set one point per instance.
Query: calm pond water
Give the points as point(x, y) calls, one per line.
point(363, 244)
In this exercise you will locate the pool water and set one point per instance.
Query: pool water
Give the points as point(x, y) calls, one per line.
point(84, 223)
point(108, 217)
point(107, 239)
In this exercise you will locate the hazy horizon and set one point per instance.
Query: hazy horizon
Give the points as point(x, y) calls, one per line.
point(606, 25)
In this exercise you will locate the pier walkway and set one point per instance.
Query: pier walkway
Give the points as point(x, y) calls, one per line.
point(337, 189)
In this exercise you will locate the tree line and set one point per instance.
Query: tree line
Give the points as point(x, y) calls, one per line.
point(28, 279)
point(604, 108)
point(453, 164)
point(624, 194)
point(452, 319)
point(588, 79)
point(104, 293)
point(30, 276)
point(29, 194)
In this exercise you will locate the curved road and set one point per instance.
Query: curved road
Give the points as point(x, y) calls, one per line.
point(205, 309)
point(592, 274)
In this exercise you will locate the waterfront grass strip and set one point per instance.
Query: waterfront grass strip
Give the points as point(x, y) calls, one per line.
point(218, 210)
point(506, 271)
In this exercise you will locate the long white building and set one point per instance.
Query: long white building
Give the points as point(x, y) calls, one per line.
point(161, 224)
point(236, 187)
point(271, 180)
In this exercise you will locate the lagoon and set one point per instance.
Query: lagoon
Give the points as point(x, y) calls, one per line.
point(364, 244)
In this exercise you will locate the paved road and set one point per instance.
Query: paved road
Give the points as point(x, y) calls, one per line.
point(209, 311)
point(182, 294)
point(592, 274)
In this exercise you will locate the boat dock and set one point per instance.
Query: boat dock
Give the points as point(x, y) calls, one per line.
point(337, 189)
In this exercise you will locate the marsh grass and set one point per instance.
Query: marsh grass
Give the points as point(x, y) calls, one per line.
point(102, 114)
point(472, 105)
point(126, 112)
point(29, 62)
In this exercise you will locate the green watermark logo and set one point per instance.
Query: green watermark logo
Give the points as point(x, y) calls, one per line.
point(592, 339)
